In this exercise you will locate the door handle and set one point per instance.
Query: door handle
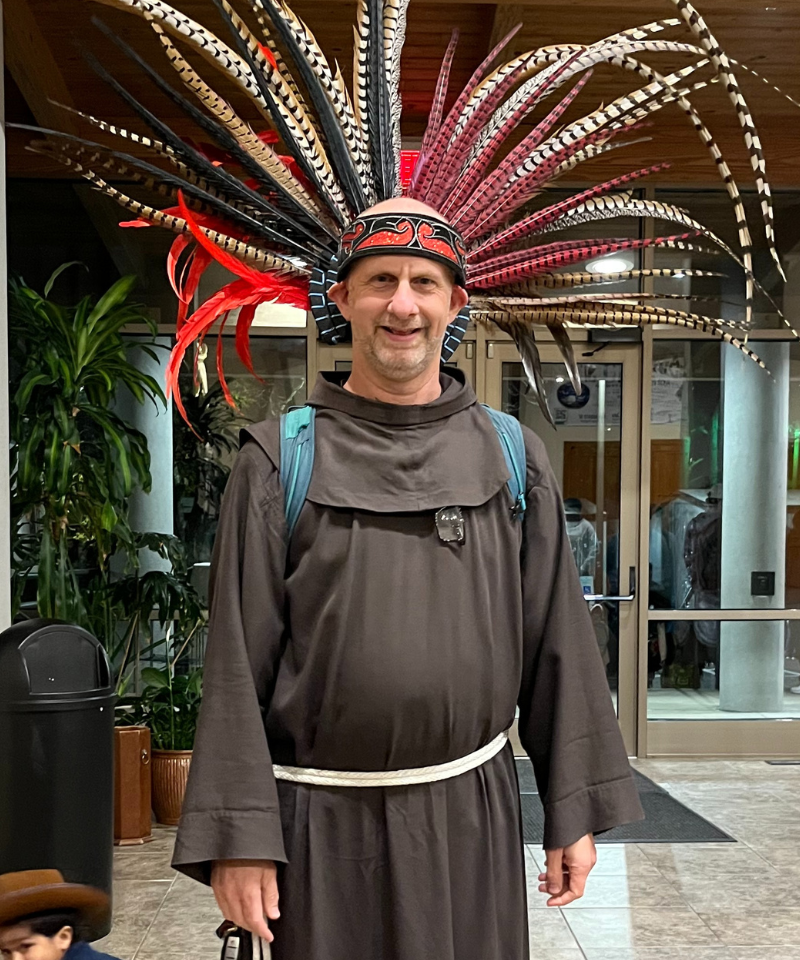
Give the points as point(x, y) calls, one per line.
point(598, 597)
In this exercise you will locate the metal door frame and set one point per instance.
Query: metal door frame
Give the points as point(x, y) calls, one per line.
point(629, 356)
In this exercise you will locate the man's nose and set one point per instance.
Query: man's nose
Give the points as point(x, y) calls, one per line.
point(403, 303)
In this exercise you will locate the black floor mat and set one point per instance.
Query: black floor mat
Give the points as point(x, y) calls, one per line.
point(666, 819)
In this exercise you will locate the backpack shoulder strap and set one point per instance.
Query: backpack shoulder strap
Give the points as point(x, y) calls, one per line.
point(297, 460)
point(509, 433)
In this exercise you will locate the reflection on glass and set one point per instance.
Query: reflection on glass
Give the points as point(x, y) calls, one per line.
point(689, 679)
point(585, 454)
point(711, 516)
point(202, 464)
point(723, 284)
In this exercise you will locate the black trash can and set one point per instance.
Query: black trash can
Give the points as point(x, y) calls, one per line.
point(56, 754)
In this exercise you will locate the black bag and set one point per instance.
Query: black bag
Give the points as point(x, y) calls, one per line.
point(238, 944)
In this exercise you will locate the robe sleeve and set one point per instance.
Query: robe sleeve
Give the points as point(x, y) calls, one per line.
point(567, 723)
point(231, 805)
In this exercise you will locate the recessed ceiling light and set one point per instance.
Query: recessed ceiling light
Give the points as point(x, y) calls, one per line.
point(609, 265)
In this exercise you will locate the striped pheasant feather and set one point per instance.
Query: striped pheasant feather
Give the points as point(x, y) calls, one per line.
point(273, 219)
point(723, 65)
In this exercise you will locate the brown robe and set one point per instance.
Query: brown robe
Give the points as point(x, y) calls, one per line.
point(371, 644)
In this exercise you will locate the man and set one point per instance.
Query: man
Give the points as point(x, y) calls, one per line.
point(375, 641)
point(44, 918)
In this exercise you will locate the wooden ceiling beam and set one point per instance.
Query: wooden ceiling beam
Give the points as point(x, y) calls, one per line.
point(506, 17)
point(34, 68)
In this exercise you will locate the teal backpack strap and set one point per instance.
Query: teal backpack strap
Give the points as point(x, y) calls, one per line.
point(509, 433)
point(297, 460)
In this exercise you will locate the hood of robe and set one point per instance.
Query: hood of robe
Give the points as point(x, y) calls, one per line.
point(398, 458)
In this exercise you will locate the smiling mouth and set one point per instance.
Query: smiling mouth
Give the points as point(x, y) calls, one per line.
point(401, 333)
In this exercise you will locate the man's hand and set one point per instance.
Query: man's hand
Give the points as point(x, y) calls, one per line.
point(247, 893)
point(567, 870)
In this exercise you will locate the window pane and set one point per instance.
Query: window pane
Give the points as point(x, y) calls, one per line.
point(726, 294)
point(729, 670)
point(202, 466)
point(585, 455)
point(725, 477)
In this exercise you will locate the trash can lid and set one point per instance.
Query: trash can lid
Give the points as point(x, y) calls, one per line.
point(51, 661)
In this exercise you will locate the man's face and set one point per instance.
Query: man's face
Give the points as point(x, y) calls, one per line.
point(398, 308)
point(19, 943)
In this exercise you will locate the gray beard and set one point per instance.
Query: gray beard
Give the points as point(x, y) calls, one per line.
point(399, 370)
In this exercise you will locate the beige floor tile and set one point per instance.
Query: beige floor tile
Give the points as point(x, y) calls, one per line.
point(557, 953)
point(163, 841)
point(659, 953)
point(548, 931)
point(754, 830)
point(697, 860)
point(639, 927)
point(618, 892)
point(667, 771)
point(780, 854)
point(777, 927)
point(202, 947)
point(136, 904)
point(738, 893)
point(622, 860)
point(764, 953)
point(144, 865)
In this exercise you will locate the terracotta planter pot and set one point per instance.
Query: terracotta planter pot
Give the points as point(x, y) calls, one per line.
point(132, 789)
point(170, 773)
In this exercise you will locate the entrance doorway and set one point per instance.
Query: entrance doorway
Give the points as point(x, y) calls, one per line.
point(595, 456)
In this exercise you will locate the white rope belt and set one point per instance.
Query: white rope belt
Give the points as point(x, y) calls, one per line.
point(393, 778)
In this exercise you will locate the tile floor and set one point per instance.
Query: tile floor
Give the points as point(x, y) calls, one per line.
point(644, 902)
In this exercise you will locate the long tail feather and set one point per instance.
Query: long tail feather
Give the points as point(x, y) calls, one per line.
point(332, 103)
point(724, 67)
point(264, 164)
point(379, 108)
point(437, 107)
point(427, 165)
point(395, 15)
point(290, 119)
point(219, 132)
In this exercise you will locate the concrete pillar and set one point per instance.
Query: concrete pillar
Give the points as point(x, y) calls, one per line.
point(756, 411)
point(5, 495)
point(152, 512)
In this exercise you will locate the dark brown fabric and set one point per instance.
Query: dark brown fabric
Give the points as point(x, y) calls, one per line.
point(374, 645)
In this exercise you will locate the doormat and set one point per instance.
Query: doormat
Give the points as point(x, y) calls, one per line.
point(666, 819)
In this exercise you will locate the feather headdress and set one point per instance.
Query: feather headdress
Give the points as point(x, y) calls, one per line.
point(275, 219)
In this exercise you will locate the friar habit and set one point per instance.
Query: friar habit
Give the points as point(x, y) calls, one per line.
point(365, 642)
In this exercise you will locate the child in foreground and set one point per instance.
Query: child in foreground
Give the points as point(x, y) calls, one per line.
point(44, 918)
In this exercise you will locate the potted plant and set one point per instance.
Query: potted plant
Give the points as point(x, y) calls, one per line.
point(74, 462)
point(168, 706)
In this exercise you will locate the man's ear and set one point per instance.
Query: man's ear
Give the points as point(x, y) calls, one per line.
point(339, 294)
point(459, 298)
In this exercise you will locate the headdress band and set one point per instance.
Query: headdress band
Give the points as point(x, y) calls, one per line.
point(412, 234)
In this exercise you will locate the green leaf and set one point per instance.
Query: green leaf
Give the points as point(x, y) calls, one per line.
point(155, 678)
point(57, 273)
point(115, 295)
point(29, 382)
point(108, 516)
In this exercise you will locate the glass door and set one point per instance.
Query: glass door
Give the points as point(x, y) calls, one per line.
point(721, 672)
point(594, 453)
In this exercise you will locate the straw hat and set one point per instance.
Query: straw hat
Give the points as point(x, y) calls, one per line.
point(39, 891)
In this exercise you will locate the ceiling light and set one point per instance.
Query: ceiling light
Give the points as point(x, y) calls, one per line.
point(609, 265)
